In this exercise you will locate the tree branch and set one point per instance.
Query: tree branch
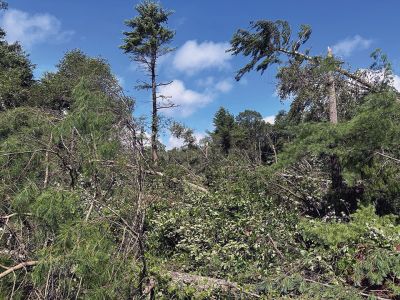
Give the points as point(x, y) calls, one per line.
point(330, 286)
point(202, 283)
point(17, 267)
point(164, 83)
point(13, 215)
point(388, 156)
point(342, 71)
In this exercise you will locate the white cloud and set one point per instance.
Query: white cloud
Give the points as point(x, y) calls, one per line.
point(347, 46)
point(174, 142)
point(210, 83)
point(396, 82)
point(193, 57)
point(32, 29)
point(188, 101)
point(269, 119)
point(121, 80)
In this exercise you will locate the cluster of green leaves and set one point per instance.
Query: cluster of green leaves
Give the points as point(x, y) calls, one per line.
point(83, 261)
point(246, 136)
point(52, 172)
point(362, 252)
point(16, 76)
point(226, 234)
point(55, 89)
point(367, 147)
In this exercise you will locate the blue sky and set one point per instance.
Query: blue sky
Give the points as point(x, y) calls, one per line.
point(202, 72)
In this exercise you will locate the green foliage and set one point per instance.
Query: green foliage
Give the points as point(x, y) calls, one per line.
point(223, 235)
point(55, 90)
point(224, 124)
point(52, 169)
point(296, 287)
point(16, 75)
point(364, 227)
point(362, 250)
point(182, 132)
point(22, 200)
point(366, 146)
point(23, 131)
point(265, 43)
point(54, 208)
point(255, 204)
point(149, 38)
point(84, 262)
point(378, 268)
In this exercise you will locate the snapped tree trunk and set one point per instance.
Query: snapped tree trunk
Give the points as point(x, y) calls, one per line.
point(336, 170)
point(154, 121)
point(271, 143)
point(333, 118)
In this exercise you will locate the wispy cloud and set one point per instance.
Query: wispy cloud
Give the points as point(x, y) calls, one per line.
point(269, 119)
point(224, 86)
point(349, 45)
point(31, 29)
point(193, 57)
point(213, 85)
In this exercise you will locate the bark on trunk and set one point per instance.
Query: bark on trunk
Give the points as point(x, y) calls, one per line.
point(333, 118)
point(46, 176)
point(271, 143)
point(154, 122)
point(336, 173)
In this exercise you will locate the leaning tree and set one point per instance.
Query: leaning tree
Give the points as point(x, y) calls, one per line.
point(312, 79)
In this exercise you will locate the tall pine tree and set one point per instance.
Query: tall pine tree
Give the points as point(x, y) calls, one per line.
point(147, 41)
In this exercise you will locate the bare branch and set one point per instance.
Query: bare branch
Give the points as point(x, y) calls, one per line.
point(164, 83)
point(13, 215)
point(17, 267)
point(171, 105)
point(388, 156)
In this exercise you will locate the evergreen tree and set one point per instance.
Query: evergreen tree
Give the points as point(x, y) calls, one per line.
point(55, 90)
point(313, 79)
point(147, 41)
point(224, 124)
point(16, 75)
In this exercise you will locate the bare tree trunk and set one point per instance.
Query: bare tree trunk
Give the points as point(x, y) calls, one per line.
point(154, 121)
point(333, 118)
point(271, 143)
point(275, 154)
point(335, 166)
point(46, 176)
